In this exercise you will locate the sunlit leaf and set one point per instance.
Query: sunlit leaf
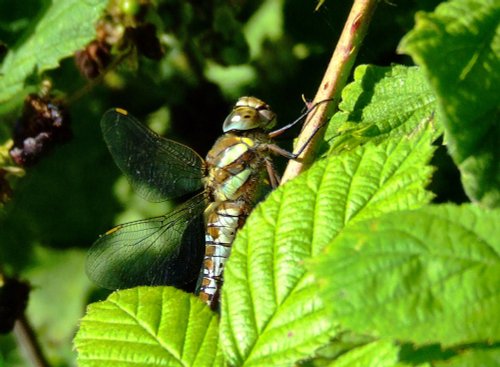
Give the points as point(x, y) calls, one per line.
point(458, 46)
point(376, 354)
point(149, 326)
point(426, 276)
point(381, 102)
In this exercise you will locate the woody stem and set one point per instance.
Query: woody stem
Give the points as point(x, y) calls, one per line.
point(332, 84)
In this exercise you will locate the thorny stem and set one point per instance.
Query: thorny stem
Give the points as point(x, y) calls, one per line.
point(26, 338)
point(332, 84)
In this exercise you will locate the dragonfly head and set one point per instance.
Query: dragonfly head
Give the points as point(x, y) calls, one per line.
point(249, 113)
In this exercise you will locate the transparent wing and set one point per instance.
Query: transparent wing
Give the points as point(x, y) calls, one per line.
point(165, 250)
point(157, 168)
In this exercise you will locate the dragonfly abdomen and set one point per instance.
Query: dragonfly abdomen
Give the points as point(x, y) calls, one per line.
point(223, 219)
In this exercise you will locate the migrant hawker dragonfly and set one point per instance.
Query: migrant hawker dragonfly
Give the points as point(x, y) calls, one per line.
point(169, 249)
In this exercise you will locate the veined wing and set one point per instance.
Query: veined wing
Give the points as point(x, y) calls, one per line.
point(165, 250)
point(157, 168)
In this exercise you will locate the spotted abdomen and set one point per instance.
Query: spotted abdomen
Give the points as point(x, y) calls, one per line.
point(222, 221)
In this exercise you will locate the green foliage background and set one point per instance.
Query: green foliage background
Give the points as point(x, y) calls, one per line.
point(389, 116)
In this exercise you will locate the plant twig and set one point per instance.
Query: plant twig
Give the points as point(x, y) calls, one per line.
point(332, 84)
point(27, 340)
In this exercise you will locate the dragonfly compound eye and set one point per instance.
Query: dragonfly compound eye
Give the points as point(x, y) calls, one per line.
point(267, 117)
point(249, 113)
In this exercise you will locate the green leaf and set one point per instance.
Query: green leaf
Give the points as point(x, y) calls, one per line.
point(149, 326)
point(426, 276)
point(271, 314)
point(377, 354)
point(379, 103)
point(458, 47)
point(341, 344)
point(474, 357)
point(66, 26)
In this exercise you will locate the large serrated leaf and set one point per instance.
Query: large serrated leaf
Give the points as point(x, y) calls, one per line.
point(430, 275)
point(380, 102)
point(66, 26)
point(149, 326)
point(459, 48)
point(271, 314)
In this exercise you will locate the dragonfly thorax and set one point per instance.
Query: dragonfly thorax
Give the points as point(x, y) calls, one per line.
point(236, 167)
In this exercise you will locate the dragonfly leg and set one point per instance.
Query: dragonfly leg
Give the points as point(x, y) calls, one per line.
point(310, 107)
point(274, 178)
point(279, 151)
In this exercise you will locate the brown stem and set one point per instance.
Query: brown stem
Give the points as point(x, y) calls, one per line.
point(96, 81)
point(332, 84)
point(26, 339)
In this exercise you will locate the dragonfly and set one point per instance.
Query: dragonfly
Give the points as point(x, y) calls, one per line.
point(171, 249)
